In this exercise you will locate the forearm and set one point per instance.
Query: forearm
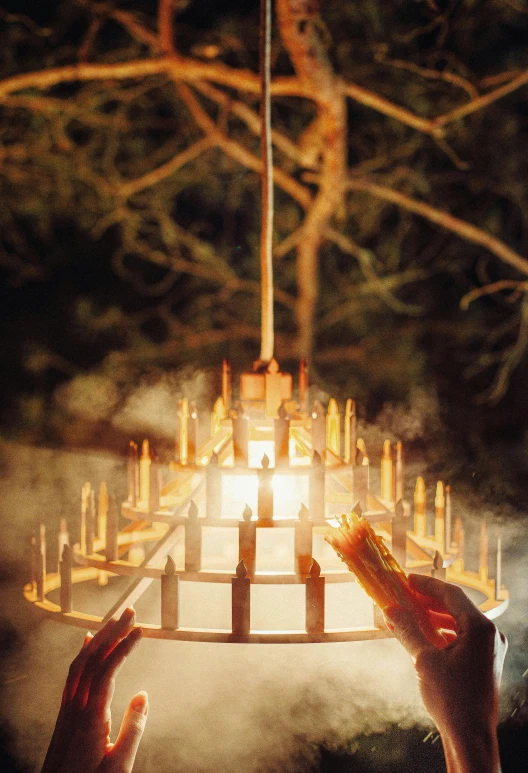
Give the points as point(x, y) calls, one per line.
point(471, 751)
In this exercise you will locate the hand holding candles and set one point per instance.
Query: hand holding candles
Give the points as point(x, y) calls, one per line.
point(381, 576)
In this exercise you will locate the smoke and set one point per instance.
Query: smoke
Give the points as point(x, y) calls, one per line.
point(214, 708)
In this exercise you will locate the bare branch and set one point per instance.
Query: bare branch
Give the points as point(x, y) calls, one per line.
point(154, 177)
point(460, 227)
point(490, 289)
point(483, 101)
point(165, 13)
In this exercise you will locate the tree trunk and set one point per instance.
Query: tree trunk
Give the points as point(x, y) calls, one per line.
point(300, 27)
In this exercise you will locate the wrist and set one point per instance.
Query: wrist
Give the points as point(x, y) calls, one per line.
point(471, 749)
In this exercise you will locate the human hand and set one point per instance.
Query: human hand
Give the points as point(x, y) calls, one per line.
point(460, 683)
point(81, 740)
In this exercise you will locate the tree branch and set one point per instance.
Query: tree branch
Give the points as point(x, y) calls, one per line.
point(437, 216)
point(165, 34)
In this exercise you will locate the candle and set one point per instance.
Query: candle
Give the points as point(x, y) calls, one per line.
point(112, 529)
point(315, 600)
point(65, 570)
point(102, 509)
point(213, 489)
point(193, 540)
point(333, 428)
point(350, 432)
point(273, 381)
point(303, 386)
point(85, 494)
point(438, 570)
point(420, 524)
point(240, 602)
point(317, 488)
point(282, 438)
point(265, 493)
point(498, 570)
point(399, 473)
point(399, 533)
point(247, 540)
point(439, 515)
point(170, 596)
point(240, 438)
point(90, 522)
point(192, 433)
point(448, 536)
point(184, 431)
point(154, 484)
point(133, 476)
point(63, 538)
point(217, 416)
point(303, 542)
point(318, 428)
point(360, 478)
point(144, 473)
point(41, 564)
point(386, 472)
point(226, 384)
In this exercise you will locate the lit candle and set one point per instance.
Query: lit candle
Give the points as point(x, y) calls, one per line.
point(170, 596)
point(360, 478)
point(438, 570)
point(439, 515)
point(458, 565)
point(350, 432)
point(65, 569)
point(193, 433)
point(102, 509)
point(498, 570)
point(273, 382)
point(399, 533)
point(85, 495)
point(386, 472)
point(63, 539)
point(240, 438)
point(282, 438)
point(303, 386)
point(154, 484)
point(315, 600)
point(317, 488)
point(112, 530)
point(144, 473)
point(184, 431)
point(303, 542)
point(333, 428)
point(399, 473)
point(41, 564)
point(265, 493)
point(213, 489)
point(193, 540)
point(217, 416)
point(226, 384)
point(448, 536)
point(240, 602)
point(133, 476)
point(420, 524)
point(90, 522)
point(318, 428)
point(247, 540)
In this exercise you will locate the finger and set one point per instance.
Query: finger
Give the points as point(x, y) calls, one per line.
point(441, 620)
point(101, 688)
point(452, 597)
point(406, 629)
point(98, 654)
point(121, 757)
point(77, 666)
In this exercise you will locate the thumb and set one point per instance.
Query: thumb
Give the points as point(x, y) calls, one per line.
point(406, 629)
point(123, 754)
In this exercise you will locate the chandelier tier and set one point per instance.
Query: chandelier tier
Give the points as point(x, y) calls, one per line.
point(247, 507)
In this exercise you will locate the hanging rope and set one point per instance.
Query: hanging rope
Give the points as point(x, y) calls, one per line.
point(266, 227)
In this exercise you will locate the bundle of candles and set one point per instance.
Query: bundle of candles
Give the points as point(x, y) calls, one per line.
point(378, 572)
